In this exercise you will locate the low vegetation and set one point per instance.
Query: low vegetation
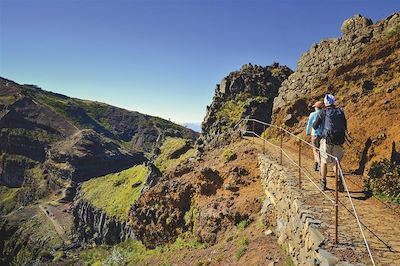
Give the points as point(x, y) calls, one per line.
point(34, 238)
point(384, 180)
point(132, 252)
point(8, 199)
point(242, 225)
point(115, 193)
point(170, 145)
point(229, 155)
point(243, 243)
point(394, 31)
point(35, 187)
point(232, 110)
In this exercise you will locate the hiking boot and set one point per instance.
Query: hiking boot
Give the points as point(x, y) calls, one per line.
point(316, 167)
point(323, 184)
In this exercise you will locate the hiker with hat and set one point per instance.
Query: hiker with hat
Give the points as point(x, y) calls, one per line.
point(315, 133)
point(334, 126)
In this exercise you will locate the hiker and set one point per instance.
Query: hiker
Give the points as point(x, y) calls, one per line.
point(315, 133)
point(333, 136)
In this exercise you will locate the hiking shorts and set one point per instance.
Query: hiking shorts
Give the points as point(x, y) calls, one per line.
point(334, 150)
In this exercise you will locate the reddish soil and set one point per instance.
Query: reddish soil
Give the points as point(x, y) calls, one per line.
point(231, 206)
point(372, 113)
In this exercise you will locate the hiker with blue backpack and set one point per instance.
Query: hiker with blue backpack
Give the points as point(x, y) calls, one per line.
point(334, 125)
point(315, 133)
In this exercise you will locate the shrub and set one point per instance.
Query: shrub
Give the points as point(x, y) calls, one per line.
point(242, 225)
point(384, 180)
point(229, 155)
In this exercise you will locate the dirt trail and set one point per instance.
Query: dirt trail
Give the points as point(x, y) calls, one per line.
point(60, 231)
point(380, 221)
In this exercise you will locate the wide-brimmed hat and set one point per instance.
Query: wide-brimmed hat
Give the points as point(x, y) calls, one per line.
point(318, 104)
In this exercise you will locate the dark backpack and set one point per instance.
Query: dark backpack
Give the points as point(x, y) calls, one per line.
point(334, 126)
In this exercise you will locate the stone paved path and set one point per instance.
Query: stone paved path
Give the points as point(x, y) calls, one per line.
point(380, 221)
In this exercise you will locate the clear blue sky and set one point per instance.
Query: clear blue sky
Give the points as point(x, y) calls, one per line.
point(160, 57)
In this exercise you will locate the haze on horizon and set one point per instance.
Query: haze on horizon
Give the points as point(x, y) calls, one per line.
point(158, 57)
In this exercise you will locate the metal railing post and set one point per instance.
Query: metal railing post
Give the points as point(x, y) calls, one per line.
point(264, 140)
point(253, 132)
point(299, 164)
point(336, 202)
point(281, 145)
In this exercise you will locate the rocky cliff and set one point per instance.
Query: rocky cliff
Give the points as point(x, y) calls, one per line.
point(361, 69)
point(328, 54)
point(94, 225)
point(246, 93)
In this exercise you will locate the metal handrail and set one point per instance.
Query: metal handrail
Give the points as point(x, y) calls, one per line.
point(339, 172)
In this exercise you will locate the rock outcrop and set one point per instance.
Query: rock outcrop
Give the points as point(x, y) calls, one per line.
point(242, 94)
point(324, 56)
point(152, 178)
point(93, 225)
point(156, 217)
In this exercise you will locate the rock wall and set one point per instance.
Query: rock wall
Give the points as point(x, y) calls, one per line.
point(324, 56)
point(296, 227)
point(93, 225)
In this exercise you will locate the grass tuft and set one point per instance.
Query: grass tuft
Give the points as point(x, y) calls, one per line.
point(229, 155)
point(243, 244)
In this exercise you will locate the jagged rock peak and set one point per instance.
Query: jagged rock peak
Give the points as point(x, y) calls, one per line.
point(253, 79)
point(248, 92)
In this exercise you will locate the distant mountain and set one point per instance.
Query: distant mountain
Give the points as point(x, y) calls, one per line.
point(193, 126)
point(56, 137)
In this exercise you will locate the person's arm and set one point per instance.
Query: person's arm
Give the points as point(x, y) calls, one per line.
point(319, 119)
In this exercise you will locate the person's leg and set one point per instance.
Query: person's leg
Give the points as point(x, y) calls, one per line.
point(338, 153)
point(324, 162)
point(315, 143)
point(323, 171)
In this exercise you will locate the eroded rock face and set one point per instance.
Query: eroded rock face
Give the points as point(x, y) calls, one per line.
point(152, 178)
point(248, 92)
point(93, 225)
point(158, 213)
point(12, 171)
point(324, 56)
point(87, 154)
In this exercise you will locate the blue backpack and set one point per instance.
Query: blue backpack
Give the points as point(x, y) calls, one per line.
point(334, 126)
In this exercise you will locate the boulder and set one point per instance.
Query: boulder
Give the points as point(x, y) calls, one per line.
point(354, 24)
